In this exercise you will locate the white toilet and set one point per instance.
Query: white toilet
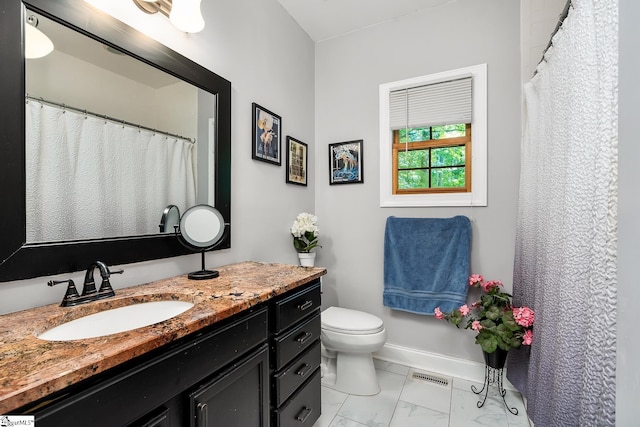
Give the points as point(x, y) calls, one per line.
point(348, 339)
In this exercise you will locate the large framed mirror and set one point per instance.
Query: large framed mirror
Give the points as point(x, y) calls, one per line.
point(122, 74)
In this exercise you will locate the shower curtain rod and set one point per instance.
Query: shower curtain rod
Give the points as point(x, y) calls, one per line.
point(561, 19)
point(105, 117)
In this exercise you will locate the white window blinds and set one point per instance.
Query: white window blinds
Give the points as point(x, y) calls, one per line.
point(436, 104)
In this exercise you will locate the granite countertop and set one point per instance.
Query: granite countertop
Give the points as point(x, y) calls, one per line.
point(31, 368)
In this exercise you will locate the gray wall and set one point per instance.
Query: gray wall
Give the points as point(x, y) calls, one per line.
point(348, 72)
point(269, 60)
point(628, 375)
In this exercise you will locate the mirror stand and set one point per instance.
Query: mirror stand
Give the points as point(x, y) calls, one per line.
point(203, 274)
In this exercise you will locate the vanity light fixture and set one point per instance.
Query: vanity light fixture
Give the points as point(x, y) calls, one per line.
point(185, 15)
point(36, 44)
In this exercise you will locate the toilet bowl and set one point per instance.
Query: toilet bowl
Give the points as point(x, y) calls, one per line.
point(348, 339)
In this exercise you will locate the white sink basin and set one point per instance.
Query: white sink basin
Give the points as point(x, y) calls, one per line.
point(116, 320)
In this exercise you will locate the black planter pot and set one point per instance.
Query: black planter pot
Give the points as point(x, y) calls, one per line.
point(496, 359)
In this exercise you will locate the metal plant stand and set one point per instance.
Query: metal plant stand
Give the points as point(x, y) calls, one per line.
point(493, 376)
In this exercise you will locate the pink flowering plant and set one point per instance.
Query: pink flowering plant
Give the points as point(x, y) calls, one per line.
point(493, 317)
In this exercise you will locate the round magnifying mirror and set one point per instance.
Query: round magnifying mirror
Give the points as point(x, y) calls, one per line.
point(201, 227)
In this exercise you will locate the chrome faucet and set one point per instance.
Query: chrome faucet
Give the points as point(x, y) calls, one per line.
point(89, 291)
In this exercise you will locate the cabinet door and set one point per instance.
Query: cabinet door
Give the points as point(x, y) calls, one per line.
point(238, 396)
point(157, 418)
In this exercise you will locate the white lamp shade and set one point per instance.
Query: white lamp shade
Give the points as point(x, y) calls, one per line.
point(37, 44)
point(186, 16)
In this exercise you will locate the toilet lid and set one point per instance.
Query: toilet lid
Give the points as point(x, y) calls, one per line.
point(347, 321)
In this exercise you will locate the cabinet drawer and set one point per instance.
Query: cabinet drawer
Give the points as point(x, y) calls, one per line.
point(298, 371)
point(291, 309)
point(295, 341)
point(304, 407)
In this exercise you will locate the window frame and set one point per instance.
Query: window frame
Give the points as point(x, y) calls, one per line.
point(478, 194)
point(430, 144)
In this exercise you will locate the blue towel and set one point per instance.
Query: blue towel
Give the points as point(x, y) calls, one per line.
point(426, 263)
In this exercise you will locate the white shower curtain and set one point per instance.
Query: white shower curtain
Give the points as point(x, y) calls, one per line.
point(90, 178)
point(565, 264)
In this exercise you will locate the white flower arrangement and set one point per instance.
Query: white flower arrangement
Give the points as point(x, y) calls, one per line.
point(305, 232)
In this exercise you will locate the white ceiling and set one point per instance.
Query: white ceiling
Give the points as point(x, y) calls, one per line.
point(325, 19)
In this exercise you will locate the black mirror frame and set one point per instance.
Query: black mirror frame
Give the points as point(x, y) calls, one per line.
point(19, 260)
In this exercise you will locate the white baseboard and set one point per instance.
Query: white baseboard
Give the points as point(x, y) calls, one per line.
point(437, 363)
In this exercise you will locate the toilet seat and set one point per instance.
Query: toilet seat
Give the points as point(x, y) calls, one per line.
point(352, 322)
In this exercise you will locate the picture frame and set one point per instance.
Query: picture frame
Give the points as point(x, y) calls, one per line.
point(346, 162)
point(297, 158)
point(266, 140)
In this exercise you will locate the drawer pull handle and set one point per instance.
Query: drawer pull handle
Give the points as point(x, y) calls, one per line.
point(202, 415)
point(304, 414)
point(303, 370)
point(305, 305)
point(304, 337)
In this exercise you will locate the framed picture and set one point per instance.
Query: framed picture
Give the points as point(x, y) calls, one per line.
point(345, 162)
point(266, 135)
point(297, 155)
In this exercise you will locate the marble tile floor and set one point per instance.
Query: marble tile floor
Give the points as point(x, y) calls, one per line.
point(407, 402)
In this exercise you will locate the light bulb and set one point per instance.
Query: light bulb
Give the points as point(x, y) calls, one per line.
point(37, 44)
point(186, 16)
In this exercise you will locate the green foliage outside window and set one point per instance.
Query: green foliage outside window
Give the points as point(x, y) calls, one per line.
point(448, 156)
point(413, 159)
point(447, 177)
point(434, 132)
point(415, 134)
point(438, 167)
point(416, 178)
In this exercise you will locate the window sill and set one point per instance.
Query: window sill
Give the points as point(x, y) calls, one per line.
point(424, 200)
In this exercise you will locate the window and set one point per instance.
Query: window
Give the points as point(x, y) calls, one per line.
point(426, 145)
point(432, 159)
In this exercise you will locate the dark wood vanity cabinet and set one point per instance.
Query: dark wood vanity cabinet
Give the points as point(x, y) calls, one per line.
point(258, 368)
point(295, 357)
point(174, 386)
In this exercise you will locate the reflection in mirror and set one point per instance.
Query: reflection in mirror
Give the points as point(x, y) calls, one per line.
point(27, 253)
point(170, 219)
point(109, 141)
point(201, 228)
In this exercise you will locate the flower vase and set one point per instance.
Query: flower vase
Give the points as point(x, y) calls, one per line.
point(307, 259)
point(497, 359)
